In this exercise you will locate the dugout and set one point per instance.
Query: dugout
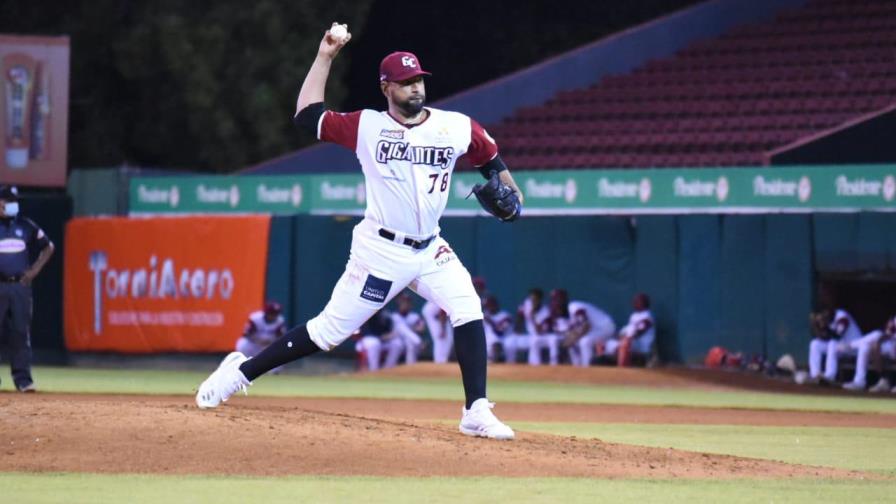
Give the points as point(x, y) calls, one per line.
point(746, 282)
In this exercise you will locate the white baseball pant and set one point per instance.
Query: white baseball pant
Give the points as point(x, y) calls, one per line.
point(513, 343)
point(582, 351)
point(537, 342)
point(412, 343)
point(639, 345)
point(378, 269)
point(831, 349)
point(863, 347)
point(442, 334)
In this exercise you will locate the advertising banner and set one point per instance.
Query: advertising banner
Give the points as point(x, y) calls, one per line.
point(164, 284)
point(180, 195)
point(562, 192)
point(34, 101)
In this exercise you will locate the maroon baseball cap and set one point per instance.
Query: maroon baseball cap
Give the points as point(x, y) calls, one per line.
point(400, 66)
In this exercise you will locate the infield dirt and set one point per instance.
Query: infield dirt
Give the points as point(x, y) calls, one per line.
point(293, 436)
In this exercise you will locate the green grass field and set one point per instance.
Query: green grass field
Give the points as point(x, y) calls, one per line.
point(863, 449)
point(93, 488)
point(53, 379)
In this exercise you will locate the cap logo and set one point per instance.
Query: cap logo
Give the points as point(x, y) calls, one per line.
point(408, 62)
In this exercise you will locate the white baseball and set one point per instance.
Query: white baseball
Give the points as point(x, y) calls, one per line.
point(339, 32)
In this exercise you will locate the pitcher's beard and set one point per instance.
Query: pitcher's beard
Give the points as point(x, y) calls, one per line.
point(411, 108)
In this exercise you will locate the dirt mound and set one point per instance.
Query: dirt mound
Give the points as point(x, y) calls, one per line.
point(134, 434)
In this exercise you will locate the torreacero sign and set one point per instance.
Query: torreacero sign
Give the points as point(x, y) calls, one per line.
point(561, 192)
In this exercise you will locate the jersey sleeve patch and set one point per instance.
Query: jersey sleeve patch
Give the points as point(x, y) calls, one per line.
point(482, 147)
point(340, 128)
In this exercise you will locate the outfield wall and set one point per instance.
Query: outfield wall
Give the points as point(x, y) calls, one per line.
point(746, 282)
point(743, 281)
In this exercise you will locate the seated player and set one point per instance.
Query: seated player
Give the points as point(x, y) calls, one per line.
point(588, 325)
point(376, 338)
point(408, 325)
point(524, 325)
point(874, 346)
point(497, 324)
point(539, 330)
point(636, 337)
point(440, 331)
point(834, 335)
point(262, 329)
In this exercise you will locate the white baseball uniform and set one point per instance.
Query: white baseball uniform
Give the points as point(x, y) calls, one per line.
point(637, 321)
point(407, 173)
point(379, 337)
point(513, 343)
point(543, 334)
point(408, 328)
point(862, 347)
point(260, 333)
point(440, 331)
point(834, 347)
point(601, 325)
point(497, 328)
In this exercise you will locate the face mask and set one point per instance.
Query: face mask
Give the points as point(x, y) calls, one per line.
point(11, 209)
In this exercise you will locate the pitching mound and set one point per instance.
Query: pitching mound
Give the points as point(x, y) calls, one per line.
point(169, 435)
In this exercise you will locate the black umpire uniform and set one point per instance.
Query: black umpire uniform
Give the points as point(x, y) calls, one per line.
point(20, 239)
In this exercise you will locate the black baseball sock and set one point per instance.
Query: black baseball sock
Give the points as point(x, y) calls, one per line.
point(292, 346)
point(469, 346)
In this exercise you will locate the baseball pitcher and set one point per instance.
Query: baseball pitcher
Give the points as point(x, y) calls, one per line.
point(407, 154)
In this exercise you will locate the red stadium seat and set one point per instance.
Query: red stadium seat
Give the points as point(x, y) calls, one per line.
point(721, 101)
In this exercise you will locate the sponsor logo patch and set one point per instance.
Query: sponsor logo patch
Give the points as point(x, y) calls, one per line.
point(396, 134)
point(444, 255)
point(376, 289)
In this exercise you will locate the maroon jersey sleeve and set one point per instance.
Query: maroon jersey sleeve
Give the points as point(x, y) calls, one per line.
point(340, 128)
point(482, 147)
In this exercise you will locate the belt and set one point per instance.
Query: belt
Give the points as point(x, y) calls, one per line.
point(417, 244)
point(10, 279)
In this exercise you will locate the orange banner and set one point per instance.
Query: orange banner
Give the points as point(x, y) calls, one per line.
point(166, 284)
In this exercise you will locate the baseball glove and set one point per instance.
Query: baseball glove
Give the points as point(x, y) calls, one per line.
point(498, 198)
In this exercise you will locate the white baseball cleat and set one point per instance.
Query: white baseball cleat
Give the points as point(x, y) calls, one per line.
point(855, 387)
point(223, 382)
point(479, 421)
point(882, 385)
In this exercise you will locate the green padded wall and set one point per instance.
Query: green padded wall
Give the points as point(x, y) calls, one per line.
point(699, 260)
point(740, 281)
point(281, 264)
point(741, 277)
point(788, 284)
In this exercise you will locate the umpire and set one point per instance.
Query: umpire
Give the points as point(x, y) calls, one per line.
point(20, 239)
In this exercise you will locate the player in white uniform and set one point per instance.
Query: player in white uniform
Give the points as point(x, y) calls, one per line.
point(637, 336)
point(407, 154)
point(540, 329)
point(885, 346)
point(588, 325)
point(498, 325)
point(262, 329)
point(843, 331)
point(408, 326)
point(515, 342)
point(377, 337)
point(864, 348)
point(440, 331)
